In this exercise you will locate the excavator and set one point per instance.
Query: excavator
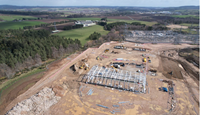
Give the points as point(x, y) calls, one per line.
point(115, 66)
point(84, 65)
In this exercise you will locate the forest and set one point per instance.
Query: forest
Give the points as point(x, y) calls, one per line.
point(120, 26)
point(29, 13)
point(26, 49)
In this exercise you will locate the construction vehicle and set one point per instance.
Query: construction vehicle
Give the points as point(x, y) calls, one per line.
point(120, 47)
point(149, 61)
point(119, 63)
point(82, 66)
point(114, 68)
point(164, 89)
point(86, 66)
point(98, 58)
point(114, 52)
point(144, 60)
point(106, 50)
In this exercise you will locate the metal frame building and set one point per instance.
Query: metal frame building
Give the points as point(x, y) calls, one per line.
point(119, 79)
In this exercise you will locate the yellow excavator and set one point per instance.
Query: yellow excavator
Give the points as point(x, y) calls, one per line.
point(114, 68)
point(84, 65)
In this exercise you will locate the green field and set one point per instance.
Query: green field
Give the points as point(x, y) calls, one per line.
point(12, 17)
point(82, 33)
point(17, 25)
point(185, 16)
point(187, 24)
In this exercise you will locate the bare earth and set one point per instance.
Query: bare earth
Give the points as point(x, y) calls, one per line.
point(75, 101)
point(172, 26)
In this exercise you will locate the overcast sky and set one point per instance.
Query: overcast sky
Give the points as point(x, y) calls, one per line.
point(150, 3)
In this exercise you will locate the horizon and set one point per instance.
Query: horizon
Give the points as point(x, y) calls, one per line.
point(97, 6)
point(125, 3)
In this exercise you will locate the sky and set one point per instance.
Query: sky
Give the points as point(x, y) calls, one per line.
point(146, 3)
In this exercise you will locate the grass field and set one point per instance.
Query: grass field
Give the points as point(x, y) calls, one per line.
point(185, 16)
point(82, 33)
point(188, 31)
point(12, 17)
point(187, 24)
point(17, 25)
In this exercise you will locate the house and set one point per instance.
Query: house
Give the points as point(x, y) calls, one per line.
point(86, 23)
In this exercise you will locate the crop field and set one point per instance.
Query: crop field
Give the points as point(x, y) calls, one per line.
point(82, 33)
point(12, 17)
point(17, 25)
point(185, 16)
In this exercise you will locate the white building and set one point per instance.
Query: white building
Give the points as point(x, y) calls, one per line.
point(86, 23)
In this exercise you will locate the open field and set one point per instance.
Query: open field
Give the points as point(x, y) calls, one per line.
point(185, 16)
point(17, 25)
point(187, 24)
point(172, 26)
point(82, 33)
point(69, 85)
point(12, 17)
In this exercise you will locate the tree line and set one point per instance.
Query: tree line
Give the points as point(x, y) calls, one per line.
point(73, 27)
point(29, 12)
point(120, 26)
point(27, 49)
point(45, 25)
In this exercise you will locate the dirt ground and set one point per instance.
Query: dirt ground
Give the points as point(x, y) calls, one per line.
point(172, 26)
point(75, 101)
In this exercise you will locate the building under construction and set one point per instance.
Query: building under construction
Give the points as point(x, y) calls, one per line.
point(114, 78)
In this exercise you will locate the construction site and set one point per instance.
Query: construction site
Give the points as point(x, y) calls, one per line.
point(115, 78)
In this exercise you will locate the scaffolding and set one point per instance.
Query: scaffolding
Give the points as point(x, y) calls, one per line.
point(119, 79)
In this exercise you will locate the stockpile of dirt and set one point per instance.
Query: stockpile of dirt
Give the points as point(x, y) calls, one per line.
point(36, 104)
point(170, 68)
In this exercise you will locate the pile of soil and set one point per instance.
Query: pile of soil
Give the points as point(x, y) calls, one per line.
point(169, 66)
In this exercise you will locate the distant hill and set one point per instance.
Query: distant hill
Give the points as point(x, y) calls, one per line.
point(181, 8)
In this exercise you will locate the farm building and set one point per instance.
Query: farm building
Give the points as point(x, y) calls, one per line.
point(86, 23)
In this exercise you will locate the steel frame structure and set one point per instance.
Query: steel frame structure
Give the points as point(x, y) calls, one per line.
point(119, 79)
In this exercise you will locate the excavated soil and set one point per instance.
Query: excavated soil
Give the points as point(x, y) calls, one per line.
point(168, 66)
